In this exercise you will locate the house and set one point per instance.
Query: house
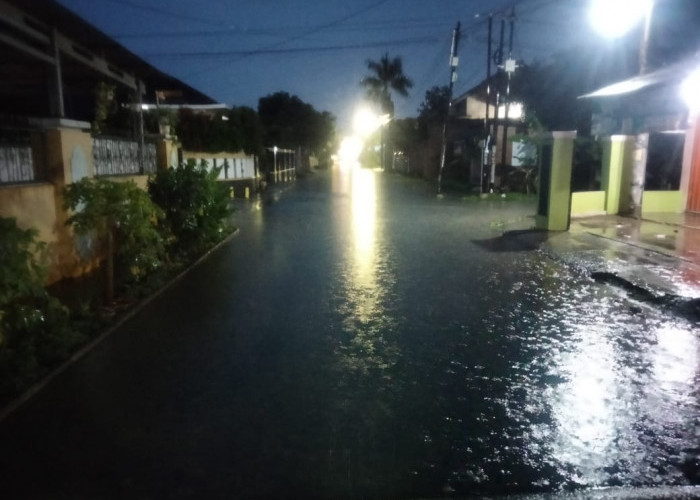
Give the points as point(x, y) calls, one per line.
point(482, 112)
point(649, 111)
point(59, 77)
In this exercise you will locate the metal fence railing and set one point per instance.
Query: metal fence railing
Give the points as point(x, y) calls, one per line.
point(16, 155)
point(114, 156)
point(16, 164)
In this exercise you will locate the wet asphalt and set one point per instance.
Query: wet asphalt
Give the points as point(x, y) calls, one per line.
point(362, 338)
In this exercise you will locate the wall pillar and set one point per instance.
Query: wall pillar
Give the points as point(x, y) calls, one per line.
point(617, 167)
point(690, 177)
point(69, 158)
point(556, 159)
point(166, 154)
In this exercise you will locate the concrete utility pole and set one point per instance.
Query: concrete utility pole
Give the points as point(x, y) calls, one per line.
point(499, 65)
point(509, 68)
point(454, 61)
point(487, 128)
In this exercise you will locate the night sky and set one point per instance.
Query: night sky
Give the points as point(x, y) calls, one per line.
point(238, 51)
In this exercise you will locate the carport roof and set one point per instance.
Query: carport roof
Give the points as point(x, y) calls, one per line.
point(670, 75)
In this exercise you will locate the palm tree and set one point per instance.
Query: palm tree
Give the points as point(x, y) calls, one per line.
point(385, 75)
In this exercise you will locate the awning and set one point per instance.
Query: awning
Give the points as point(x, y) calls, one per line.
point(670, 75)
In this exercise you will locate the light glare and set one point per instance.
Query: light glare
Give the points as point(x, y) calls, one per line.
point(614, 18)
point(366, 121)
point(690, 91)
point(350, 150)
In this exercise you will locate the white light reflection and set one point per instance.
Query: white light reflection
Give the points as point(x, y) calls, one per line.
point(584, 408)
point(676, 359)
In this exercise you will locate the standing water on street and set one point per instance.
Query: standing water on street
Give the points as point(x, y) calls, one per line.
point(362, 338)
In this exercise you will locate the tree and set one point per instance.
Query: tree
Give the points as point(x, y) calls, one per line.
point(124, 220)
point(386, 75)
point(289, 122)
point(227, 130)
point(195, 205)
point(251, 131)
point(433, 109)
point(550, 90)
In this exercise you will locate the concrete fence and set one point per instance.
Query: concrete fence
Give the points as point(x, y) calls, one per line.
point(61, 152)
point(623, 175)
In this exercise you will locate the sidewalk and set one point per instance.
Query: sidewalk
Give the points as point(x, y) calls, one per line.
point(658, 257)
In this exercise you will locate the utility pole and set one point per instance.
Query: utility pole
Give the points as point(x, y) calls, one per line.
point(509, 69)
point(499, 65)
point(487, 141)
point(454, 61)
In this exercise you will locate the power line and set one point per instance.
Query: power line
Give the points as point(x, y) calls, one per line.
point(298, 37)
point(167, 13)
point(273, 31)
point(327, 48)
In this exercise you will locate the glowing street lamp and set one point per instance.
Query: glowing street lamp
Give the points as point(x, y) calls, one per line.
point(615, 18)
point(274, 168)
point(366, 121)
point(690, 91)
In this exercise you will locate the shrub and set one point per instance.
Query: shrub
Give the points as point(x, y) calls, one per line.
point(34, 332)
point(125, 222)
point(195, 204)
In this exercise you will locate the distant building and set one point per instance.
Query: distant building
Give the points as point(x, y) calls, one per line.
point(476, 115)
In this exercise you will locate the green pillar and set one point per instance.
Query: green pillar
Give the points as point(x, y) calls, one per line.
point(556, 158)
point(617, 156)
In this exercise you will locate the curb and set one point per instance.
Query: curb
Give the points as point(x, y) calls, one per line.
point(13, 405)
point(686, 307)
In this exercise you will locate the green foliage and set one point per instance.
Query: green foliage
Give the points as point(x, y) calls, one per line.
point(21, 273)
point(433, 109)
point(195, 204)
point(237, 129)
point(587, 165)
point(34, 331)
point(122, 210)
point(289, 122)
point(105, 105)
point(384, 76)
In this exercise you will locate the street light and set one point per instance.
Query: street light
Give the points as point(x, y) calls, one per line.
point(274, 168)
point(366, 121)
point(690, 91)
point(615, 18)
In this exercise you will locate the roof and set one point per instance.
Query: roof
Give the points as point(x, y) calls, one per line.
point(479, 90)
point(28, 74)
point(670, 75)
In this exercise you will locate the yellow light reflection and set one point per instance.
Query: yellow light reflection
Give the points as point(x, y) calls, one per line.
point(364, 204)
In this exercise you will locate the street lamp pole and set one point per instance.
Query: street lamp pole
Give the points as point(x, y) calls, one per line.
point(274, 165)
point(644, 45)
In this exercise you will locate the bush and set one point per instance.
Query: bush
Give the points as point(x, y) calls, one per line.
point(34, 332)
point(195, 204)
point(125, 222)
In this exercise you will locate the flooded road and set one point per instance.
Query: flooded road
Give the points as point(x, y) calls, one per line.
point(362, 338)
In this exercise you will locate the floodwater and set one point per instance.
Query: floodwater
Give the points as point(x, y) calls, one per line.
point(362, 338)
